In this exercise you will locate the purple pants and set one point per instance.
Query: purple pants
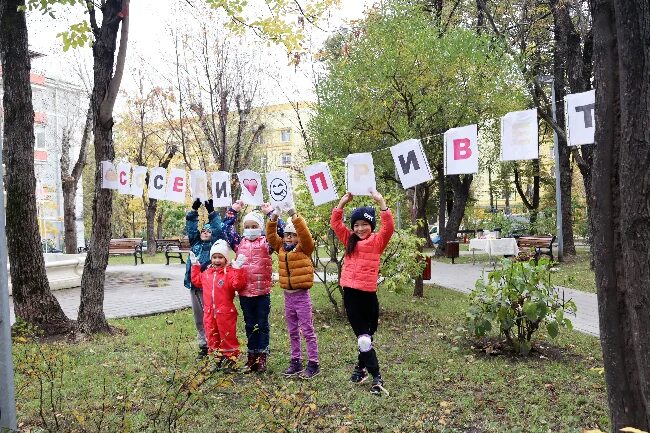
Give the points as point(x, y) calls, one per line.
point(297, 312)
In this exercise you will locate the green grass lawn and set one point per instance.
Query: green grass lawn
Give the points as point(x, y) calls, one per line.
point(576, 273)
point(146, 379)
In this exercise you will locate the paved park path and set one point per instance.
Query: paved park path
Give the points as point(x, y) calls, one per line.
point(461, 277)
point(148, 289)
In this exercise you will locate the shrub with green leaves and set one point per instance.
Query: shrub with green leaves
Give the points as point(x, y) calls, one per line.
point(518, 299)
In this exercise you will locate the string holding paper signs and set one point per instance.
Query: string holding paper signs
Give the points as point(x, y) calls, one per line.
point(176, 185)
point(251, 191)
point(461, 150)
point(124, 178)
point(279, 187)
point(221, 194)
point(411, 163)
point(360, 174)
point(320, 183)
point(519, 136)
point(157, 183)
point(109, 175)
point(137, 180)
point(579, 110)
point(199, 185)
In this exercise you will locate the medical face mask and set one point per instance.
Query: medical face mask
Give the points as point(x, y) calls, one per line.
point(252, 234)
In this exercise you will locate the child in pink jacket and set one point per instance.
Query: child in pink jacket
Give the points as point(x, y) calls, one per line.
point(363, 249)
point(219, 282)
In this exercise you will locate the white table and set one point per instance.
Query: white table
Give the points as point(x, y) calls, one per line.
point(495, 247)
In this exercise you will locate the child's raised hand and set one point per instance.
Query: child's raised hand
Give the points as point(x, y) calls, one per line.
point(193, 259)
point(238, 205)
point(239, 261)
point(379, 199)
point(266, 208)
point(347, 198)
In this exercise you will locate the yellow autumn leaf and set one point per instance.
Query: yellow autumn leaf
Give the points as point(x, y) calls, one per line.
point(632, 430)
point(593, 431)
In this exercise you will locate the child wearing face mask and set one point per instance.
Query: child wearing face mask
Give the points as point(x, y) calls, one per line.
point(296, 278)
point(255, 297)
point(219, 281)
point(363, 249)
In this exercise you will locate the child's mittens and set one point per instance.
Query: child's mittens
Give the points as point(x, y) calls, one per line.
point(291, 211)
point(193, 259)
point(209, 206)
point(239, 261)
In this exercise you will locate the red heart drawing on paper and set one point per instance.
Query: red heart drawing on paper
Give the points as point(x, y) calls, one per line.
point(251, 185)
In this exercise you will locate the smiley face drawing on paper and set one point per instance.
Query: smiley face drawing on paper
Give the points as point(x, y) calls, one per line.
point(278, 189)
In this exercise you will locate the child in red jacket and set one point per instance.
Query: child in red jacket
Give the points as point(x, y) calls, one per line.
point(219, 282)
point(363, 249)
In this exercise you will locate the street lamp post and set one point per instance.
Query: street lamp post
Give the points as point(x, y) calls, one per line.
point(7, 397)
point(556, 155)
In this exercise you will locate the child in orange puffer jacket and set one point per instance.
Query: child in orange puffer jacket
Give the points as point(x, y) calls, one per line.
point(296, 278)
point(219, 282)
point(363, 249)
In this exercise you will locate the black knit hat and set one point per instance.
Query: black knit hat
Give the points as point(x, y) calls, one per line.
point(365, 213)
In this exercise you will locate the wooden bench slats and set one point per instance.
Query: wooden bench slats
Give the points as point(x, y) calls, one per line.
point(127, 246)
point(541, 244)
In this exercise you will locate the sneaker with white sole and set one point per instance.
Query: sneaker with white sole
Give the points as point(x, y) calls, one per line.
point(378, 386)
point(359, 374)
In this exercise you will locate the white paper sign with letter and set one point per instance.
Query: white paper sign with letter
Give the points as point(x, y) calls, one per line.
point(137, 180)
point(176, 185)
point(199, 185)
point(360, 173)
point(109, 175)
point(279, 187)
point(461, 150)
point(221, 189)
point(251, 187)
point(519, 140)
point(157, 183)
point(320, 183)
point(580, 117)
point(124, 178)
point(411, 163)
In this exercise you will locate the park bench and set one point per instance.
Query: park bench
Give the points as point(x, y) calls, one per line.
point(127, 246)
point(177, 249)
point(541, 244)
point(162, 244)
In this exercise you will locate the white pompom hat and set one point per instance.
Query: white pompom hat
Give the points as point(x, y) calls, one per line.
point(222, 247)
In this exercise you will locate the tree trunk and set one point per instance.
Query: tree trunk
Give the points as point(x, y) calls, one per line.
point(70, 181)
point(69, 187)
point(560, 59)
point(91, 311)
point(531, 205)
point(150, 215)
point(620, 217)
point(33, 301)
point(442, 207)
point(460, 187)
point(421, 197)
point(159, 224)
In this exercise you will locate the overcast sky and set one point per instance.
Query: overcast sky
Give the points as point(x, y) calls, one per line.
point(150, 42)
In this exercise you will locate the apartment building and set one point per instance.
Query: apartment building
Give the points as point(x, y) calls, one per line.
point(58, 105)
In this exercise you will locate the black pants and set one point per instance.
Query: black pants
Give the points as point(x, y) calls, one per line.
point(362, 309)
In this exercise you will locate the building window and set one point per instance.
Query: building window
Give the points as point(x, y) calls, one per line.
point(285, 135)
point(40, 140)
point(285, 159)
